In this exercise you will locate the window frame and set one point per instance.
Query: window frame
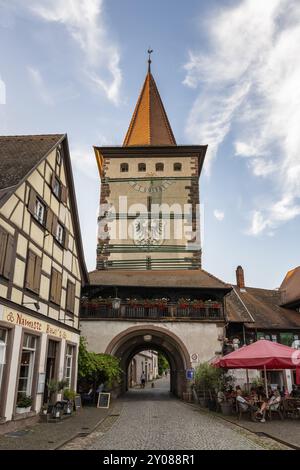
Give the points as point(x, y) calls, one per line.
point(177, 166)
point(159, 166)
point(32, 356)
point(57, 187)
point(42, 205)
point(3, 354)
point(69, 361)
point(124, 167)
point(60, 233)
point(142, 167)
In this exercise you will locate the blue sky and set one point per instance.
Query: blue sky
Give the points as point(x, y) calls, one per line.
point(228, 73)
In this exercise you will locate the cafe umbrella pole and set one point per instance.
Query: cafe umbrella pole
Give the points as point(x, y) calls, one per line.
point(266, 383)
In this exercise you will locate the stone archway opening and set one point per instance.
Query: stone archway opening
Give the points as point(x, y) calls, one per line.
point(149, 337)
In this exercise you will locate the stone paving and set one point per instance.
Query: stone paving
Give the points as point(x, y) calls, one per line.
point(151, 419)
point(50, 436)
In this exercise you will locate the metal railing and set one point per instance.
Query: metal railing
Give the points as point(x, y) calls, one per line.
point(94, 310)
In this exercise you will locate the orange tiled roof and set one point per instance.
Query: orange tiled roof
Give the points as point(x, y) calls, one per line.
point(149, 124)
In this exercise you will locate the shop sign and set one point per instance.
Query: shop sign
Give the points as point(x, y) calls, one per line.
point(17, 318)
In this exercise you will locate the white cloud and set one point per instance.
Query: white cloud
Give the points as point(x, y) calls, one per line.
point(84, 160)
point(38, 81)
point(219, 215)
point(249, 81)
point(2, 92)
point(83, 20)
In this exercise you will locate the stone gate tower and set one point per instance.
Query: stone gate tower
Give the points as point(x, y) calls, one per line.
point(149, 194)
point(149, 291)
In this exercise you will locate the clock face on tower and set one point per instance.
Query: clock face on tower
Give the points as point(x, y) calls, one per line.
point(152, 185)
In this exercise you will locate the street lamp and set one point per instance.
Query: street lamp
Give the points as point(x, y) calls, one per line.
point(116, 303)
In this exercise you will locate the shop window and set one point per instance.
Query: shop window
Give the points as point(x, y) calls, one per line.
point(3, 345)
point(6, 253)
point(159, 167)
point(33, 272)
point(124, 167)
point(69, 364)
point(27, 365)
point(142, 166)
point(51, 366)
point(177, 166)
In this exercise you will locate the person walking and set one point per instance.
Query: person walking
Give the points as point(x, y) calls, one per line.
point(143, 379)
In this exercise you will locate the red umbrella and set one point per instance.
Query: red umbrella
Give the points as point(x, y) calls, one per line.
point(262, 354)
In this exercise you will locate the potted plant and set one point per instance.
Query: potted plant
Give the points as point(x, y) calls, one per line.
point(183, 303)
point(24, 403)
point(69, 395)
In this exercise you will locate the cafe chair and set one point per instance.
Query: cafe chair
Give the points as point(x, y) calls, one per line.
point(241, 411)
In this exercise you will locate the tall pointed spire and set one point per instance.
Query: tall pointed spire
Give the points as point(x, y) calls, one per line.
point(149, 124)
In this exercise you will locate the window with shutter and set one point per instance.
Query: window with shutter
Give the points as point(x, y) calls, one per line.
point(3, 242)
point(49, 220)
point(55, 290)
point(64, 194)
point(9, 256)
point(6, 253)
point(32, 201)
point(70, 304)
point(33, 272)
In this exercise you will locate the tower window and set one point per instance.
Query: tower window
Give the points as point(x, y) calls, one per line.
point(159, 167)
point(177, 166)
point(142, 167)
point(124, 167)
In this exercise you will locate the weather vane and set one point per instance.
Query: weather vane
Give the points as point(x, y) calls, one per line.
point(149, 60)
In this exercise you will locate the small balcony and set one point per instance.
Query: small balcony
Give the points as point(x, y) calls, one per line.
point(196, 310)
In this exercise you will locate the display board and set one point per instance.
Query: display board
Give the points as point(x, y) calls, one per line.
point(77, 402)
point(103, 400)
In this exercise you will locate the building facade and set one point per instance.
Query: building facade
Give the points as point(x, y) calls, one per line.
point(42, 270)
point(144, 362)
point(272, 314)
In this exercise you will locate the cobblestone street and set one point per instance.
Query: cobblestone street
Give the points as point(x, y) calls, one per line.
point(152, 419)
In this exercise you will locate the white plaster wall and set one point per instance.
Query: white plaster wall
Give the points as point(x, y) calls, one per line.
point(14, 366)
point(199, 338)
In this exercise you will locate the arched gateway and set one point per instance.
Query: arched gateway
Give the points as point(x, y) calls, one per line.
point(135, 339)
point(149, 290)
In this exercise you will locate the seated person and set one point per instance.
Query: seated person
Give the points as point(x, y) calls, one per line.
point(272, 404)
point(88, 396)
point(253, 396)
point(243, 403)
point(295, 393)
point(221, 397)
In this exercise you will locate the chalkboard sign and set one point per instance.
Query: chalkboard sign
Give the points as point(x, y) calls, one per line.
point(103, 400)
point(77, 402)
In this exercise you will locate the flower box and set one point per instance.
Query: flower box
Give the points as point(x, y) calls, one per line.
point(22, 409)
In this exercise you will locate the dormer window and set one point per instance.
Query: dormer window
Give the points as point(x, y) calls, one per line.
point(40, 211)
point(159, 167)
point(177, 166)
point(142, 166)
point(124, 167)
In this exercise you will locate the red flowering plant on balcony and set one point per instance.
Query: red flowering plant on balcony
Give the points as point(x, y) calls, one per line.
point(198, 303)
point(213, 304)
point(183, 303)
